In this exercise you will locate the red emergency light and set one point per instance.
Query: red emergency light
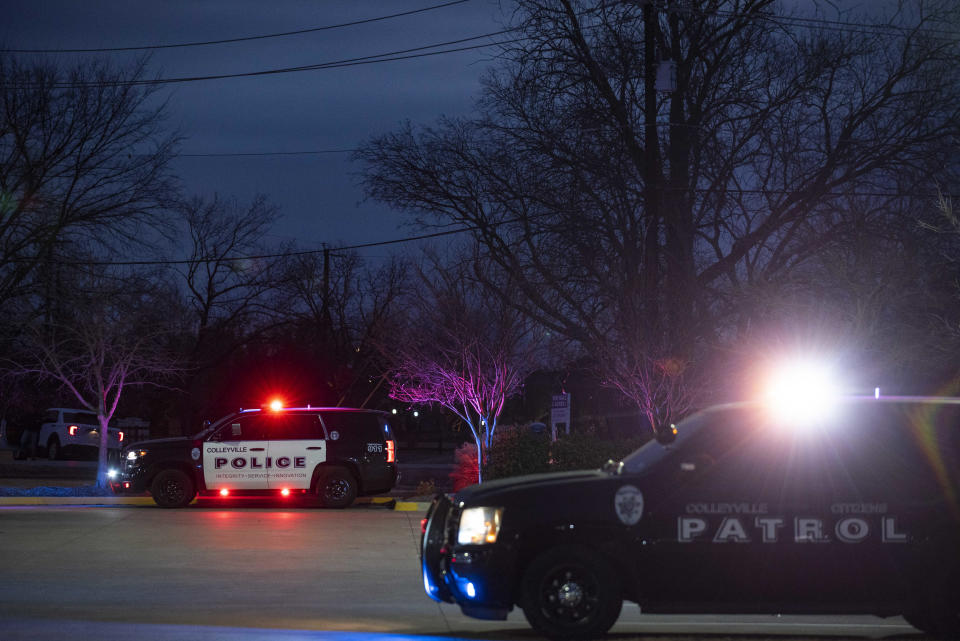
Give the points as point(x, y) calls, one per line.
point(224, 492)
point(285, 491)
point(73, 430)
point(391, 451)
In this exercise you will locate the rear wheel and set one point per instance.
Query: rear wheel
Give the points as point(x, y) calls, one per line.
point(172, 488)
point(54, 452)
point(336, 488)
point(571, 593)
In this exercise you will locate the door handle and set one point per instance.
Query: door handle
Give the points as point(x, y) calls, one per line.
point(256, 449)
point(313, 447)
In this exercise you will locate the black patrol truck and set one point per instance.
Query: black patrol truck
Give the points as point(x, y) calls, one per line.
point(334, 454)
point(730, 511)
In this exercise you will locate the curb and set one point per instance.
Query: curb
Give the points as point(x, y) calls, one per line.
point(411, 506)
point(76, 500)
point(387, 502)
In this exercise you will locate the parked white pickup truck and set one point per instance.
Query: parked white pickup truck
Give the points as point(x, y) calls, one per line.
point(71, 432)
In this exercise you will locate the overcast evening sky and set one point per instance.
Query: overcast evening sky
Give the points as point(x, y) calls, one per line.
point(304, 111)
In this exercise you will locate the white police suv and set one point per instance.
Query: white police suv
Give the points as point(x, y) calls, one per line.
point(332, 454)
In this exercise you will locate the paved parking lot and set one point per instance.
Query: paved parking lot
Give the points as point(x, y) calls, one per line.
point(266, 573)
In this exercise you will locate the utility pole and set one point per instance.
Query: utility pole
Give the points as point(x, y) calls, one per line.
point(651, 33)
point(325, 301)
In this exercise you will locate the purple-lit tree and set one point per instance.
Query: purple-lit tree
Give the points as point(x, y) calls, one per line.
point(462, 351)
point(116, 336)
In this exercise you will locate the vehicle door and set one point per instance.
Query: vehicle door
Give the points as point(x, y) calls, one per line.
point(235, 455)
point(710, 522)
point(366, 440)
point(297, 447)
point(874, 488)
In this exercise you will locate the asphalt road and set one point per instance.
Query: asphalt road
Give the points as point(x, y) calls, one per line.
point(270, 573)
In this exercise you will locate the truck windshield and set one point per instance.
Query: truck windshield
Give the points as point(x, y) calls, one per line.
point(653, 452)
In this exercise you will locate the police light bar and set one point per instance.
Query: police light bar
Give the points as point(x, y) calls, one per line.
point(802, 393)
point(275, 405)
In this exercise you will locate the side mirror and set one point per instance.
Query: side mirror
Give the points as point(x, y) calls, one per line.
point(666, 434)
point(613, 467)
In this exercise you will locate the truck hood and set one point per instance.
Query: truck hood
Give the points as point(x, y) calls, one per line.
point(548, 482)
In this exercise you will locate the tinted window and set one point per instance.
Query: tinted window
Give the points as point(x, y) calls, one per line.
point(248, 427)
point(79, 417)
point(293, 426)
point(896, 451)
point(51, 416)
point(735, 461)
point(358, 426)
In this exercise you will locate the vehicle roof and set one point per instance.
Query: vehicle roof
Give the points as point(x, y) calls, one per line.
point(310, 408)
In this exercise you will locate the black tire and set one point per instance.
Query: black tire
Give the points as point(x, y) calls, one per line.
point(336, 488)
point(570, 592)
point(54, 451)
point(172, 488)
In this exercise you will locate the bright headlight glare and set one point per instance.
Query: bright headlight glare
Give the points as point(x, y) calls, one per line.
point(132, 455)
point(479, 525)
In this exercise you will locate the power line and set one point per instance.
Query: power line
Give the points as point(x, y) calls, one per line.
point(421, 52)
point(439, 234)
point(283, 34)
point(391, 56)
point(227, 154)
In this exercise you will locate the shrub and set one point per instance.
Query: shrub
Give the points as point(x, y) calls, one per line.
point(517, 451)
point(584, 452)
point(465, 471)
point(426, 488)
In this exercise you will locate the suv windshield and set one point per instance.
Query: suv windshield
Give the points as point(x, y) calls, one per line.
point(653, 452)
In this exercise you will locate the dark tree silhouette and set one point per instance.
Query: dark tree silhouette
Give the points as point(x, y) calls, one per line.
point(639, 223)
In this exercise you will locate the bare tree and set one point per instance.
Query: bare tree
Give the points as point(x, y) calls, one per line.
point(342, 307)
point(118, 336)
point(635, 222)
point(83, 159)
point(232, 280)
point(462, 351)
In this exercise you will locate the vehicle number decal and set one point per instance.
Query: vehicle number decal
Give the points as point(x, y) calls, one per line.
point(375, 447)
point(628, 502)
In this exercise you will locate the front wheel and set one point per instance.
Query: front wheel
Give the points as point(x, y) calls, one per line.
point(172, 488)
point(336, 488)
point(571, 593)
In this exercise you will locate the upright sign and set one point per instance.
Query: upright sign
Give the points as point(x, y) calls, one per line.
point(559, 414)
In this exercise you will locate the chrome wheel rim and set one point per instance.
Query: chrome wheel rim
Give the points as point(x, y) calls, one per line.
point(570, 595)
